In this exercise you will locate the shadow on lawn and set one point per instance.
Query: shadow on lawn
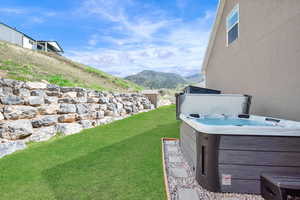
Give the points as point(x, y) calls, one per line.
point(131, 169)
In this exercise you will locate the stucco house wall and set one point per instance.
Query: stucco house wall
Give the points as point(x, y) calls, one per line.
point(264, 61)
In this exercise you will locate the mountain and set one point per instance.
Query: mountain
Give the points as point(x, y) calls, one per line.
point(195, 78)
point(29, 65)
point(156, 80)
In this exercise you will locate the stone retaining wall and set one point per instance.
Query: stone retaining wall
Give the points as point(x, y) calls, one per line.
point(37, 111)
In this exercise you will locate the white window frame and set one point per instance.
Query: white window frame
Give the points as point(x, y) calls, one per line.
point(234, 9)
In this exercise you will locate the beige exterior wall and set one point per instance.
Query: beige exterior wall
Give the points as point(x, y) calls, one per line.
point(265, 60)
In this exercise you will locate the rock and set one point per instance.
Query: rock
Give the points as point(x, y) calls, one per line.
point(81, 94)
point(103, 107)
point(12, 100)
point(92, 100)
point(141, 107)
point(67, 108)
point(113, 100)
point(53, 88)
point(82, 108)
point(103, 100)
point(41, 93)
point(109, 113)
point(42, 134)
point(11, 83)
point(67, 100)
point(111, 107)
point(68, 128)
point(15, 130)
point(128, 109)
point(123, 112)
point(51, 100)
point(147, 106)
point(35, 85)
point(45, 121)
point(134, 109)
point(70, 95)
point(128, 104)
point(93, 93)
point(19, 112)
point(67, 89)
point(36, 100)
point(80, 100)
point(100, 114)
point(119, 107)
point(22, 92)
point(10, 147)
point(104, 120)
point(1, 116)
point(5, 91)
point(53, 93)
point(67, 118)
point(86, 116)
point(86, 123)
point(50, 109)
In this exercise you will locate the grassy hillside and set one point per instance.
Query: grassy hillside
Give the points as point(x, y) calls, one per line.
point(27, 65)
point(195, 78)
point(156, 80)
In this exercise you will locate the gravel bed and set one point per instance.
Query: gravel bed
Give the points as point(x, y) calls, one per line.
point(181, 181)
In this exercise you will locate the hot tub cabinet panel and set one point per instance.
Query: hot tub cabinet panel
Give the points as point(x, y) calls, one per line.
point(234, 163)
point(188, 144)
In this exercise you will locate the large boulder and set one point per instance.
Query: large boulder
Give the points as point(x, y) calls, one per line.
point(86, 123)
point(5, 91)
point(35, 85)
point(86, 116)
point(103, 107)
point(45, 121)
point(42, 134)
point(49, 109)
point(51, 100)
point(67, 89)
point(36, 100)
point(100, 114)
point(12, 100)
point(92, 100)
point(82, 108)
point(41, 93)
point(1, 116)
point(67, 118)
point(68, 128)
point(19, 112)
point(103, 100)
point(9, 147)
point(22, 92)
point(80, 100)
point(15, 130)
point(11, 83)
point(66, 100)
point(67, 108)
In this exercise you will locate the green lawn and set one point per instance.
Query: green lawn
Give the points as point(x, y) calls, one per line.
point(121, 160)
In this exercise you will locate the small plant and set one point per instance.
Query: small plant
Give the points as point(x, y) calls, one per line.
point(60, 80)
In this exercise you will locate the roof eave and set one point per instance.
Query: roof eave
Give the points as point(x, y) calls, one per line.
point(213, 35)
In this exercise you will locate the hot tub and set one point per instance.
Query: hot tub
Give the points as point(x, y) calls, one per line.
point(229, 152)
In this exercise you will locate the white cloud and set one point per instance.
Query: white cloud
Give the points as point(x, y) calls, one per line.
point(16, 11)
point(37, 20)
point(151, 41)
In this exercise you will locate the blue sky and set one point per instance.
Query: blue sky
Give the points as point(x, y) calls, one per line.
point(121, 37)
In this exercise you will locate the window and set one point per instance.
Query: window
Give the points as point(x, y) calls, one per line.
point(232, 25)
